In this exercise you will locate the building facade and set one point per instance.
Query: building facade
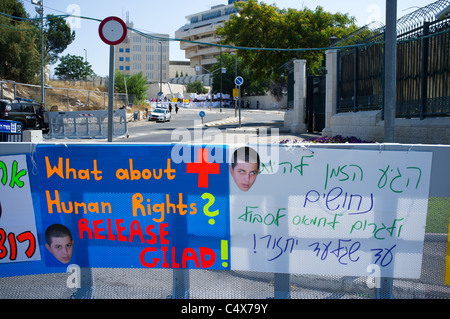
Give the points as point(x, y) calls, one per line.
point(201, 27)
point(180, 69)
point(138, 53)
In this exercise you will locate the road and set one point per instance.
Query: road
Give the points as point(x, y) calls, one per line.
point(188, 120)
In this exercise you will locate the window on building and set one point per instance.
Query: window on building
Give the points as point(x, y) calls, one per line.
point(211, 15)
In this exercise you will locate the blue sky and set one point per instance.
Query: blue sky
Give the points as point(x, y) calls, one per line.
point(169, 15)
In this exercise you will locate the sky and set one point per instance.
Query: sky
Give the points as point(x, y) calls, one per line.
point(167, 16)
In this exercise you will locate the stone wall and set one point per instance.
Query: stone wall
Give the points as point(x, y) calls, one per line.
point(369, 126)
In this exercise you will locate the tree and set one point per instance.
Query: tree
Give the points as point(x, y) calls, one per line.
point(20, 59)
point(20, 42)
point(136, 85)
point(234, 65)
point(18, 53)
point(58, 36)
point(267, 27)
point(72, 67)
point(196, 87)
point(14, 8)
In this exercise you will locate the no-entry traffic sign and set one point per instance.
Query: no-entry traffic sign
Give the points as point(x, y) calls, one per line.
point(112, 30)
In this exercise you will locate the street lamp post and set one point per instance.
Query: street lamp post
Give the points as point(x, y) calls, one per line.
point(160, 69)
point(235, 76)
point(221, 79)
point(40, 10)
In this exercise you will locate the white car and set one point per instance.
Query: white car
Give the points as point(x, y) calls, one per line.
point(160, 115)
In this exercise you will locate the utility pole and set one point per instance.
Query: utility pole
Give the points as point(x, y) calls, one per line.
point(390, 40)
point(220, 79)
point(40, 10)
point(384, 291)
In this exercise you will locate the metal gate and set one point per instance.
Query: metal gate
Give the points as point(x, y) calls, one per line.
point(315, 103)
point(86, 124)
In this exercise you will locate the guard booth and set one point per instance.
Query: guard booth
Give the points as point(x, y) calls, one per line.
point(10, 131)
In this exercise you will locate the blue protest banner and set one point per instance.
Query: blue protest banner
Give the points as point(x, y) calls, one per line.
point(128, 206)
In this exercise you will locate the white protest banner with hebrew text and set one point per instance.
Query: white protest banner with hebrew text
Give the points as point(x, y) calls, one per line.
point(332, 212)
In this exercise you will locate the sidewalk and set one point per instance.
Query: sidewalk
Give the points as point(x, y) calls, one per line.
point(269, 131)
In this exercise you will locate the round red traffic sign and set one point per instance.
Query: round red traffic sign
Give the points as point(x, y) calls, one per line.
point(112, 30)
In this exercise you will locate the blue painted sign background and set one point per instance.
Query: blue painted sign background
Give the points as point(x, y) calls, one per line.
point(129, 206)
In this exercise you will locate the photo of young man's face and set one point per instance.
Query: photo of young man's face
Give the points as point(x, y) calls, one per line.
point(59, 242)
point(244, 168)
point(244, 174)
point(61, 248)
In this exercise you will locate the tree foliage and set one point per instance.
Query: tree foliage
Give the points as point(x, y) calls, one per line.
point(262, 26)
point(72, 67)
point(136, 85)
point(20, 42)
point(18, 53)
point(20, 59)
point(196, 87)
point(235, 66)
point(58, 36)
point(14, 8)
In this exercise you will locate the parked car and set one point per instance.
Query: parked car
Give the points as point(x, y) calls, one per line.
point(24, 111)
point(160, 115)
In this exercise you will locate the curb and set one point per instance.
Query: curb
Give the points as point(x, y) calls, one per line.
point(230, 120)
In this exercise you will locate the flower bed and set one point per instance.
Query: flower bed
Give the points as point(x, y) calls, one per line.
point(328, 139)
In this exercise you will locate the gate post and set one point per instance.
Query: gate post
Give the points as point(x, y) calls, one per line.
point(331, 90)
point(282, 286)
point(298, 124)
point(180, 287)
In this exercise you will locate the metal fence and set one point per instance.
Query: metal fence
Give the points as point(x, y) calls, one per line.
point(111, 283)
point(423, 69)
point(10, 131)
point(87, 124)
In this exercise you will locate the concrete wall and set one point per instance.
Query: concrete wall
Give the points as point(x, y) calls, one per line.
point(370, 126)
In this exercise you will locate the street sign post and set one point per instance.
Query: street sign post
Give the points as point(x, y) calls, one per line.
point(202, 115)
point(239, 80)
point(112, 31)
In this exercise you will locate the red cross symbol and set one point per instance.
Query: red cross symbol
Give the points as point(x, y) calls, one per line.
point(203, 168)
